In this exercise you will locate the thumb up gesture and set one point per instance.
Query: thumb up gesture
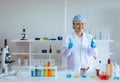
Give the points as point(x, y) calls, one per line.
point(70, 44)
point(93, 44)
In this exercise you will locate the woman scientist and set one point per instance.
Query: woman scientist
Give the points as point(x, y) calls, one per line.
point(79, 47)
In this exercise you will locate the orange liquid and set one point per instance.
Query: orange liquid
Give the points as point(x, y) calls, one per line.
point(49, 72)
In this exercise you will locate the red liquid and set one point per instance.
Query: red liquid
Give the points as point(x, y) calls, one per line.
point(103, 77)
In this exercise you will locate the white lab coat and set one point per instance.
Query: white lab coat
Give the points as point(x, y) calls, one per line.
point(81, 54)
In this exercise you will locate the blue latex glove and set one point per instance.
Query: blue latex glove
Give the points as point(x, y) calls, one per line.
point(70, 45)
point(93, 44)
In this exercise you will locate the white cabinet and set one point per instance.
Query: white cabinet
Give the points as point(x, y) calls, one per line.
point(35, 50)
point(32, 49)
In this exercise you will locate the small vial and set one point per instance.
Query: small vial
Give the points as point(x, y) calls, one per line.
point(25, 61)
point(89, 32)
point(41, 72)
point(36, 71)
point(33, 73)
point(38, 74)
point(100, 35)
point(19, 62)
point(45, 71)
point(53, 71)
point(49, 72)
point(97, 72)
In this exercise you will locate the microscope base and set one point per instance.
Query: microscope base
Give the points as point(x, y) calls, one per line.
point(9, 73)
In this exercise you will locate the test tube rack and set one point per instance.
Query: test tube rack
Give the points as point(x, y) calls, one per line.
point(43, 72)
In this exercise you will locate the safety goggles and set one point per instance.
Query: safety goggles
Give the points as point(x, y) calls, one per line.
point(79, 23)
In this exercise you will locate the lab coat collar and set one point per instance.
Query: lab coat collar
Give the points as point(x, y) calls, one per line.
point(77, 39)
point(75, 35)
point(84, 39)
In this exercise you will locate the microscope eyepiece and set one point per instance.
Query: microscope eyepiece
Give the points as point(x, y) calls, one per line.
point(5, 42)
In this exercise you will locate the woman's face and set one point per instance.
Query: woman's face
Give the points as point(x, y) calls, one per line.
point(79, 27)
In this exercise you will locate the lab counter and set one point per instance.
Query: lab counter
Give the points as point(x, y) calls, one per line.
point(23, 76)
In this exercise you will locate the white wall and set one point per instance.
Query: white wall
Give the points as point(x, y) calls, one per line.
point(46, 18)
point(40, 17)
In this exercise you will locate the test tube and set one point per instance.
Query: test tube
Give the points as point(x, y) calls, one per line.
point(41, 72)
point(53, 71)
point(100, 35)
point(45, 71)
point(33, 73)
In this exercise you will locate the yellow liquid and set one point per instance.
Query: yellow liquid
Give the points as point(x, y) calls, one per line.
point(109, 69)
point(45, 72)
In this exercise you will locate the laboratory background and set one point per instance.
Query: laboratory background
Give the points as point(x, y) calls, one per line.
point(50, 19)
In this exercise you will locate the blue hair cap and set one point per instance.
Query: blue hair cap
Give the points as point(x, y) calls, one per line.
point(79, 18)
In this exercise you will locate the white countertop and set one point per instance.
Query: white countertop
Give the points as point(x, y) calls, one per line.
point(61, 77)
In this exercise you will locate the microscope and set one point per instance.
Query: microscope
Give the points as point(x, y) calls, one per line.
point(23, 35)
point(6, 61)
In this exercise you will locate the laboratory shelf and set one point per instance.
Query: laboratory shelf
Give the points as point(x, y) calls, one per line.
point(99, 41)
point(20, 53)
point(45, 53)
point(35, 54)
point(32, 40)
point(33, 49)
point(17, 40)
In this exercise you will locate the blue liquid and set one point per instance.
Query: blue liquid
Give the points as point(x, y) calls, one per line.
point(41, 73)
point(84, 76)
point(116, 78)
point(33, 73)
point(68, 75)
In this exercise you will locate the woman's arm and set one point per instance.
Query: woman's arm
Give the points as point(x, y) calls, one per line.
point(65, 51)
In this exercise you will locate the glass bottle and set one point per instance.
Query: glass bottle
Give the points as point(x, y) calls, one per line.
point(50, 49)
point(109, 68)
point(19, 62)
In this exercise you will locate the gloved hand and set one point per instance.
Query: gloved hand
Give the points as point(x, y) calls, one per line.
point(70, 45)
point(93, 44)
